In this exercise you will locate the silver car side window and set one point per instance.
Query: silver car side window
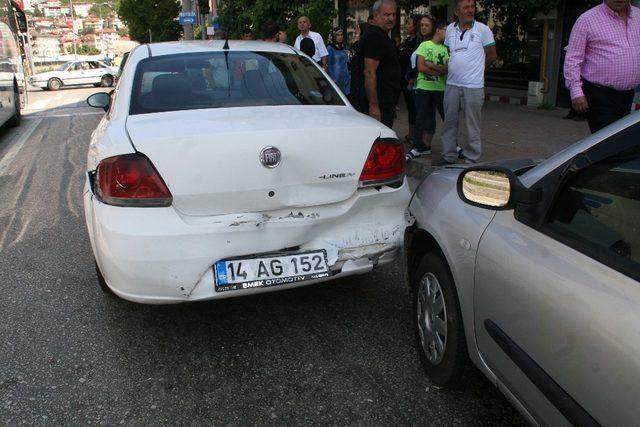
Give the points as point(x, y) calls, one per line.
point(600, 206)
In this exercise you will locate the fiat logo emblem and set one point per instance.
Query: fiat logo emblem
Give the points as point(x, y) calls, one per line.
point(270, 157)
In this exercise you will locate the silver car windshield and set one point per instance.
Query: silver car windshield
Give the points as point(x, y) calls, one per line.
point(228, 79)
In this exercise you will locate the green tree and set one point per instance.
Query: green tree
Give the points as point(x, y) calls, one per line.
point(237, 15)
point(102, 8)
point(37, 12)
point(86, 50)
point(157, 16)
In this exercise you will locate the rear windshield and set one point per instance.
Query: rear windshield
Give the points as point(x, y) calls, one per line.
point(231, 79)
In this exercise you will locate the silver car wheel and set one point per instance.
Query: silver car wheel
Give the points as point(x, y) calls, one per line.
point(432, 318)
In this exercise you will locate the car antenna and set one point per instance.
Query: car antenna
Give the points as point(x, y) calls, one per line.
point(226, 41)
point(225, 48)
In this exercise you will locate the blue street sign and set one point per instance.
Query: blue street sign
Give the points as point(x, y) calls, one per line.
point(187, 18)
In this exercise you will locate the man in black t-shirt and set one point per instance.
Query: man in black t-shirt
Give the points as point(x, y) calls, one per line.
point(376, 73)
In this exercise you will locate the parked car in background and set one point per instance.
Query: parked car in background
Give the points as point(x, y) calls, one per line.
point(229, 172)
point(76, 73)
point(532, 271)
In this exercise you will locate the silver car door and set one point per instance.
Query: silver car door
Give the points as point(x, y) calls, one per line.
point(557, 306)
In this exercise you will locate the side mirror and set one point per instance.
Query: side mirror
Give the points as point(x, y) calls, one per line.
point(495, 187)
point(100, 100)
point(486, 187)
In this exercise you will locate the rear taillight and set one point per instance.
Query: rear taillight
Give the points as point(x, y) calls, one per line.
point(385, 164)
point(131, 180)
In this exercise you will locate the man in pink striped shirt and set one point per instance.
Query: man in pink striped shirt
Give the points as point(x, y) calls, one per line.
point(602, 66)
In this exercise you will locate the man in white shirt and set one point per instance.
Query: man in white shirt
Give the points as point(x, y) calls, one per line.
point(321, 55)
point(472, 48)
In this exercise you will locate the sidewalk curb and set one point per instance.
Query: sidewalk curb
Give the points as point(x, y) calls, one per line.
point(513, 100)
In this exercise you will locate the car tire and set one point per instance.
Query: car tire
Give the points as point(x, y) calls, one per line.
point(54, 84)
point(101, 282)
point(17, 117)
point(433, 287)
point(106, 81)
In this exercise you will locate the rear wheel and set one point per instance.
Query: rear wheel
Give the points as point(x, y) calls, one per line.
point(106, 81)
point(15, 120)
point(438, 322)
point(54, 84)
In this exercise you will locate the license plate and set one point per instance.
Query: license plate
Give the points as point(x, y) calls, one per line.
point(274, 270)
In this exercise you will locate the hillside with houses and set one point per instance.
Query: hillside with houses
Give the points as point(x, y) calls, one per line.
point(91, 28)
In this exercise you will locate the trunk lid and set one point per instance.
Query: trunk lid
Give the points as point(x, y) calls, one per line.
point(210, 159)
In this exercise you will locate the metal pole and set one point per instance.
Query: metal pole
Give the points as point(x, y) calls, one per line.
point(101, 31)
point(203, 26)
point(73, 27)
point(150, 38)
point(187, 6)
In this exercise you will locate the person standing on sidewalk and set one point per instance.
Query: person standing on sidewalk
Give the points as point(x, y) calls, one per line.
point(304, 25)
point(308, 47)
point(432, 66)
point(602, 66)
point(269, 31)
point(471, 49)
point(376, 77)
point(407, 47)
point(338, 61)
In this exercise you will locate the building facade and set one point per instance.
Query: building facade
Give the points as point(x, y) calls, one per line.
point(46, 46)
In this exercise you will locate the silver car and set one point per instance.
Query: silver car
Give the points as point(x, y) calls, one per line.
point(76, 73)
point(532, 272)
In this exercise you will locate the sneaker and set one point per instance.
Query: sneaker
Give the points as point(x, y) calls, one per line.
point(414, 153)
point(442, 162)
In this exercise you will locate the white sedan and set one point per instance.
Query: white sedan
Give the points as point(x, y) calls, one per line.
point(227, 172)
point(76, 73)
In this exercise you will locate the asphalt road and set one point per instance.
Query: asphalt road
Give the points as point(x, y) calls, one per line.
point(337, 353)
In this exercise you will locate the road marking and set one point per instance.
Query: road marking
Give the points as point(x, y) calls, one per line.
point(5, 162)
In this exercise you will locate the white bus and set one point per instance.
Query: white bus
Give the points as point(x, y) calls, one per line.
point(11, 65)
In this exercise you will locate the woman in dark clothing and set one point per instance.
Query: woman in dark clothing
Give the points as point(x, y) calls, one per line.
point(360, 29)
point(357, 78)
point(405, 51)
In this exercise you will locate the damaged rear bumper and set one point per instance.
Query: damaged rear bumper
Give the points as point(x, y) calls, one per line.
point(158, 256)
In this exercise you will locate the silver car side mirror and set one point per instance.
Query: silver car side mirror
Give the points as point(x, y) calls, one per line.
point(100, 100)
point(487, 188)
